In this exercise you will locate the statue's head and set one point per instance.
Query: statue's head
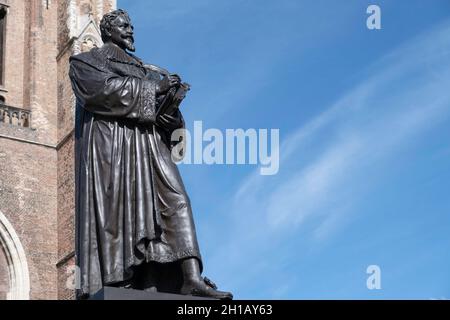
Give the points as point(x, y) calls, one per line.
point(116, 27)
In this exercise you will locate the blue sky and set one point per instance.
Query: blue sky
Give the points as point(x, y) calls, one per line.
point(364, 119)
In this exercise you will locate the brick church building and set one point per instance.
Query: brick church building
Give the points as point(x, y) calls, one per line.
point(37, 37)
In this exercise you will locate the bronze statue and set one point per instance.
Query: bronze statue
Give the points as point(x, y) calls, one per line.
point(134, 224)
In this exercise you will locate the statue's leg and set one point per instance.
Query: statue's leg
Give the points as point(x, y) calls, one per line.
point(195, 284)
point(191, 270)
point(146, 277)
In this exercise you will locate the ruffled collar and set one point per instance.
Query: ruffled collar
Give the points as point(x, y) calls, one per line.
point(116, 54)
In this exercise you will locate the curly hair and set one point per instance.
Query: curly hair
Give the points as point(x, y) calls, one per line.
point(107, 21)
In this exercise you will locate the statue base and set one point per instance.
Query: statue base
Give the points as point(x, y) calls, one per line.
point(111, 293)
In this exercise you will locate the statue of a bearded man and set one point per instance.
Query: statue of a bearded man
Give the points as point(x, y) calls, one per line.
point(134, 224)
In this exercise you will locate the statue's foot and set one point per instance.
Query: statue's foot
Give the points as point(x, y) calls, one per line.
point(151, 289)
point(206, 289)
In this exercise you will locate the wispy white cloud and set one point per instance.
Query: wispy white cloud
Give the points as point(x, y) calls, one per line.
point(335, 154)
point(369, 122)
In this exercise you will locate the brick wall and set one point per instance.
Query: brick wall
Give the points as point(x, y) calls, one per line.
point(28, 185)
point(28, 200)
point(37, 165)
point(14, 53)
point(66, 101)
point(43, 69)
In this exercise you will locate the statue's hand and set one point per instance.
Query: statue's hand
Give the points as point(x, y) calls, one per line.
point(167, 83)
point(169, 122)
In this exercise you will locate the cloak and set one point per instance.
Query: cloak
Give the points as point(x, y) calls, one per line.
point(131, 204)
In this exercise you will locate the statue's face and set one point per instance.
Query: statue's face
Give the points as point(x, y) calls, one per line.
point(122, 33)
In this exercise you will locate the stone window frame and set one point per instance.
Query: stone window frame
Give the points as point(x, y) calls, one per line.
point(19, 276)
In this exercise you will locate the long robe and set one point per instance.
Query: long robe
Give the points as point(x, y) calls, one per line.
point(131, 204)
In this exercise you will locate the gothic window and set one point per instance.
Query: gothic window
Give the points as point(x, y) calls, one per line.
point(14, 276)
point(3, 11)
point(4, 275)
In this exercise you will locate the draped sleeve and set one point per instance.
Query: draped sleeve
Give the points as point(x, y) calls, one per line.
point(108, 94)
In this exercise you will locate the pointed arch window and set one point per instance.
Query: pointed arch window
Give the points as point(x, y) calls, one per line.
point(16, 261)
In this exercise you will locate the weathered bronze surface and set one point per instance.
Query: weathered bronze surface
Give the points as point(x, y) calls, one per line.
point(134, 220)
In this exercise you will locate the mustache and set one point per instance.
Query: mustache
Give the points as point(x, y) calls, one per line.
point(128, 37)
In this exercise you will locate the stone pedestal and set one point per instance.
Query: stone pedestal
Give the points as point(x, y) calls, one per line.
point(110, 293)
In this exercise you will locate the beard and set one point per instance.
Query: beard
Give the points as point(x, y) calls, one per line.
point(129, 44)
point(126, 42)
